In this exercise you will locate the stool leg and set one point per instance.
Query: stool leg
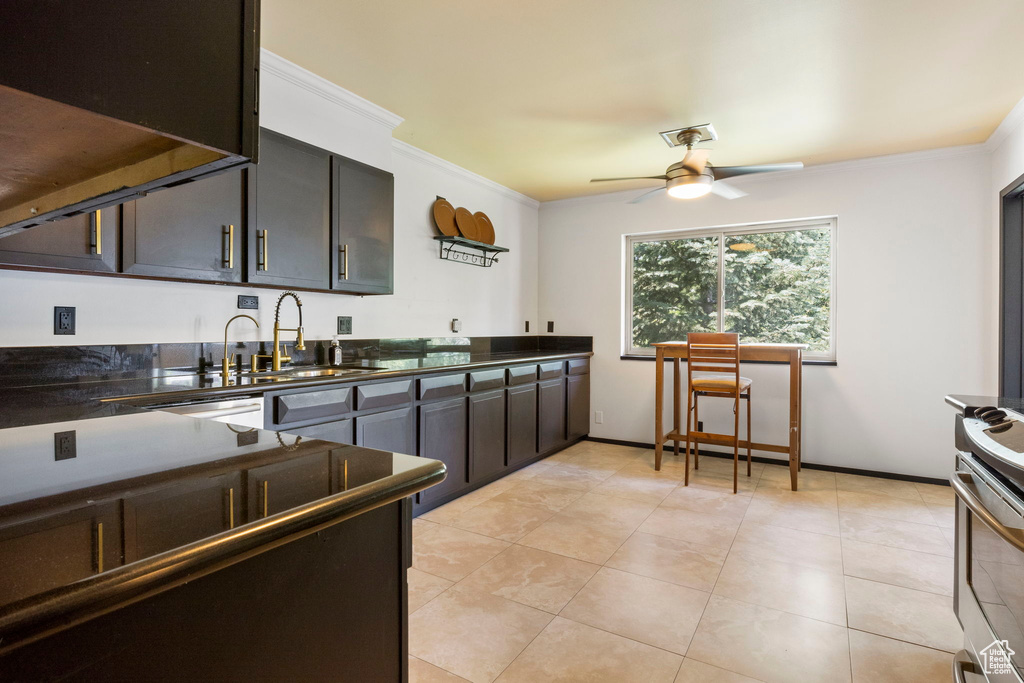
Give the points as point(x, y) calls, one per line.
point(749, 440)
point(696, 425)
point(676, 401)
point(736, 444)
point(686, 471)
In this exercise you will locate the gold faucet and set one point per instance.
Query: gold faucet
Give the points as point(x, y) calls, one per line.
point(300, 344)
point(227, 362)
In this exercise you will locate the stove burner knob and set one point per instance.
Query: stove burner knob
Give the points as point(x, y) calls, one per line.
point(1000, 427)
point(980, 412)
point(994, 416)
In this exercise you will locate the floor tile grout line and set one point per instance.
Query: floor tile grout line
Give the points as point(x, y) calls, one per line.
point(901, 640)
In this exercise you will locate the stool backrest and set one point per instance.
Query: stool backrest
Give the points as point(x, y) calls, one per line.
point(713, 352)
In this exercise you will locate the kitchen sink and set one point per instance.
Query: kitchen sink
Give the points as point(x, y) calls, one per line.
point(340, 371)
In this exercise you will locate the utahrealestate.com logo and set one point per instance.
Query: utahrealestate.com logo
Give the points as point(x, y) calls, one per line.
point(995, 659)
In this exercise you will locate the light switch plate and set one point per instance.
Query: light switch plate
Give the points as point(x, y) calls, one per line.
point(456, 325)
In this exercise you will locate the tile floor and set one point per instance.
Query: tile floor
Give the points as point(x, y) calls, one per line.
point(591, 566)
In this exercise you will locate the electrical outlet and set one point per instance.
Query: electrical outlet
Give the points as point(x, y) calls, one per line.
point(551, 326)
point(64, 445)
point(599, 417)
point(700, 425)
point(344, 324)
point(456, 325)
point(248, 301)
point(248, 438)
point(63, 319)
point(527, 325)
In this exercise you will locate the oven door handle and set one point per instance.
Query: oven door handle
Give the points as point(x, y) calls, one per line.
point(962, 665)
point(960, 481)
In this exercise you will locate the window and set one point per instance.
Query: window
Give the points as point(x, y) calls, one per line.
point(768, 282)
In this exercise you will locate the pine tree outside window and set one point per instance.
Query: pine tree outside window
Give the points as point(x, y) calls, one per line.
point(770, 282)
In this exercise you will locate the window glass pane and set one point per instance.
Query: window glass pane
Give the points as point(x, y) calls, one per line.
point(675, 289)
point(778, 287)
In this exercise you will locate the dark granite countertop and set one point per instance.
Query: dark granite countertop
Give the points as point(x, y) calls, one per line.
point(966, 403)
point(151, 499)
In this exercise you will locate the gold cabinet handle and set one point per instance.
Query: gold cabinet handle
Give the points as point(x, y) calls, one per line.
point(97, 232)
point(345, 483)
point(344, 262)
point(263, 263)
point(231, 508)
point(265, 496)
point(99, 547)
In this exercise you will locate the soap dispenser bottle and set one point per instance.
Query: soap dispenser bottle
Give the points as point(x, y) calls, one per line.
point(334, 356)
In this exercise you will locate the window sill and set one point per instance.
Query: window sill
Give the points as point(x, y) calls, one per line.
point(827, 363)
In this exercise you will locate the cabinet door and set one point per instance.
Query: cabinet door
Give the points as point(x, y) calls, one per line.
point(68, 243)
point(338, 431)
point(392, 430)
point(522, 423)
point(550, 414)
point(191, 231)
point(443, 437)
point(284, 485)
point(363, 253)
point(578, 398)
point(289, 214)
point(46, 553)
point(180, 513)
point(486, 434)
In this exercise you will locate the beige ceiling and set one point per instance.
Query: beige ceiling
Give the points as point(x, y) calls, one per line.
point(542, 95)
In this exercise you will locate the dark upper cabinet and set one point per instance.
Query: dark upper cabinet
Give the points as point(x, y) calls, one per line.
point(522, 423)
point(486, 434)
point(68, 243)
point(577, 392)
point(392, 430)
point(551, 414)
point(103, 99)
point(289, 219)
point(443, 437)
point(191, 231)
point(44, 553)
point(364, 228)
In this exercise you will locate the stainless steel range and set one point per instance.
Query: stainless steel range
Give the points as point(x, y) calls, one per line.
point(989, 587)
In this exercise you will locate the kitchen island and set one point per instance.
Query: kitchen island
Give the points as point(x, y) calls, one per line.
point(140, 545)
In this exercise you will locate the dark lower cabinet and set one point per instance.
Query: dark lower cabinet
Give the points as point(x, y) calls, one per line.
point(88, 241)
point(550, 414)
point(191, 231)
point(443, 437)
point(392, 430)
point(364, 231)
point(170, 517)
point(521, 423)
point(282, 486)
point(289, 219)
point(40, 554)
point(486, 434)
point(577, 393)
point(339, 431)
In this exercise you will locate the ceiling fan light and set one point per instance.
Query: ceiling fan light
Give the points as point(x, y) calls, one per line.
point(689, 186)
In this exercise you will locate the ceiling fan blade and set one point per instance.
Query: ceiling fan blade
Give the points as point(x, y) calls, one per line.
point(695, 160)
point(632, 177)
point(646, 195)
point(724, 172)
point(726, 191)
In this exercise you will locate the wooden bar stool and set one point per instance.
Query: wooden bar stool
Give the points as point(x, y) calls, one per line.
point(719, 355)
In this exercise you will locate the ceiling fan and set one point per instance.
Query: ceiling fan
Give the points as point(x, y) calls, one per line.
point(694, 176)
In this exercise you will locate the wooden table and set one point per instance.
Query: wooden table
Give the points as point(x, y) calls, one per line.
point(791, 354)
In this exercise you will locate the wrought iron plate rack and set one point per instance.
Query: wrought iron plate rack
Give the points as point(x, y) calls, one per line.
point(454, 249)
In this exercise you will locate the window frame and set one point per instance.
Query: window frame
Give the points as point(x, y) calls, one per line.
point(721, 232)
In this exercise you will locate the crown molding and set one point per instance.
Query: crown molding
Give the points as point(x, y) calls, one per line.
point(271, 63)
point(417, 154)
point(1008, 125)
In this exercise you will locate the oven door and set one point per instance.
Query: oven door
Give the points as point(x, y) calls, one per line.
point(989, 591)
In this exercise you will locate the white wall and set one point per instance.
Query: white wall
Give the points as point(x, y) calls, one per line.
point(429, 292)
point(916, 262)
